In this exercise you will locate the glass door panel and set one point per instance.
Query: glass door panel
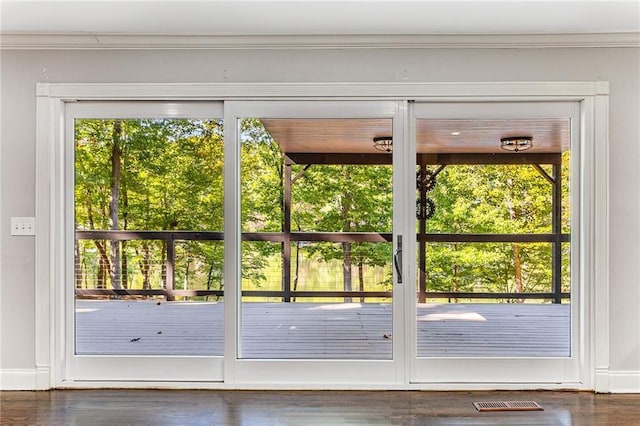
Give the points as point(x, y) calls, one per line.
point(316, 231)
point(147, 236)
point(493, 224)
point(316, 225)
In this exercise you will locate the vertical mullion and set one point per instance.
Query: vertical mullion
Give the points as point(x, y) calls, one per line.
point(286, 229)
point(232, 242)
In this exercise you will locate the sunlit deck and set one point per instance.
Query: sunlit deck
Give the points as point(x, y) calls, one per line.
point(324, 331)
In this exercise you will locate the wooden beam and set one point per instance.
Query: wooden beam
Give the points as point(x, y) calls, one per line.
point(483, 159)
point(337, 237)
point(336, 294)
point(447, 295)
point(424, 158)
point(300, 173)
point(337, 159)
point(152, 292)
point(493, 238)
point(544, 174)
point(274, 237)
point(149, 235)
point(342, 237)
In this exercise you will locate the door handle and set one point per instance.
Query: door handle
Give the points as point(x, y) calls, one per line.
point(397, 259)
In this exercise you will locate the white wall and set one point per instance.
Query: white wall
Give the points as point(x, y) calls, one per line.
point(22, 69)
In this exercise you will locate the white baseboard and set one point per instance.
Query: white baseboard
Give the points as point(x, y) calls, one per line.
point(624, 381)
point(24, 379)
point(38, 379)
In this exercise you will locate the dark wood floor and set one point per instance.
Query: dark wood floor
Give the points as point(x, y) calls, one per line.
point(165, 407)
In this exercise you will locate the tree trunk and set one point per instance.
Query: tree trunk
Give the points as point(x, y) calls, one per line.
point(163, 264)
point(103, 264)
point(517, 262)
point(125, 266)
point(186, 274)
point(125, 215)
point(103, 258)
point(116, 154)
point(85, 278)
point(144, 267)
point(346, 269)
point(346, 227)
point(209, 279)
point(101, 278)
point(456, 284)
point(77, 265)
point(297, 270)
point(361, 278)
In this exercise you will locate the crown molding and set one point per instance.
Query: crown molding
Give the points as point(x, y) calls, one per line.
point(575, 90)
point(94, 41)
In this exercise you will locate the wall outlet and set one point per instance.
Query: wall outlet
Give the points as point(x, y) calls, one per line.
point(23, 226)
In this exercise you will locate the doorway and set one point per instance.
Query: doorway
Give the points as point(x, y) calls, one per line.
point(258, 256)
point(145, 292)
point(319, 222)
point(497, 271)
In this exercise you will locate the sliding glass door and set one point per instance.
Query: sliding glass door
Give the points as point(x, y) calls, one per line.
point(497, 291)
point(323, 243)
point(145, 294)
point(317, 227)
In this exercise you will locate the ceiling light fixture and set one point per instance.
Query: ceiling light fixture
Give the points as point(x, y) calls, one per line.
point(383, 143)
point(516, 143)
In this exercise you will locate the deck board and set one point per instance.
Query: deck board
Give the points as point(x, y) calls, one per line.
point(324, 331)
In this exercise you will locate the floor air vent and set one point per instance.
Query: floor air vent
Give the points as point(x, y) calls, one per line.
point(507, 406)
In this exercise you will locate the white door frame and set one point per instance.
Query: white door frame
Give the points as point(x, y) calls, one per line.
point(308, 373)
point(540, 370)
point(79, 368)
point(50, 202)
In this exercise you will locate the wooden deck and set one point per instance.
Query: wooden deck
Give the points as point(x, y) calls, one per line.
point(320, 331)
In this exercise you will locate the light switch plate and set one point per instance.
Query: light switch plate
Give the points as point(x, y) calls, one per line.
point(23, 226)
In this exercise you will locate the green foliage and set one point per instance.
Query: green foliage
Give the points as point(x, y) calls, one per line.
point(497, 199)
point(172, 179)
point(171, 173)
point(261, 178)
point(491, 199)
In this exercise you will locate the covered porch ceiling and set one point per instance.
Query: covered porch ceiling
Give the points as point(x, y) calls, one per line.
point(434, 136)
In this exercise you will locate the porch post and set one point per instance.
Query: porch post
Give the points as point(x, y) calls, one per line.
point(556, 220)
point(170, 271)
point(286, 230)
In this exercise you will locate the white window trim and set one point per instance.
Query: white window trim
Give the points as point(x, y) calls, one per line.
point(51, 99)
point(101, 41)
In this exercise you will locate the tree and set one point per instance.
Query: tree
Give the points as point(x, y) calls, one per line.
point(167, 174)
point(346, 198)
point(491, 199)
point(161, 174)
point(262, 197)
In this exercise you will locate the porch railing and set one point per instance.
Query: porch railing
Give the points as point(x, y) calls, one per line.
point(287, 293)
